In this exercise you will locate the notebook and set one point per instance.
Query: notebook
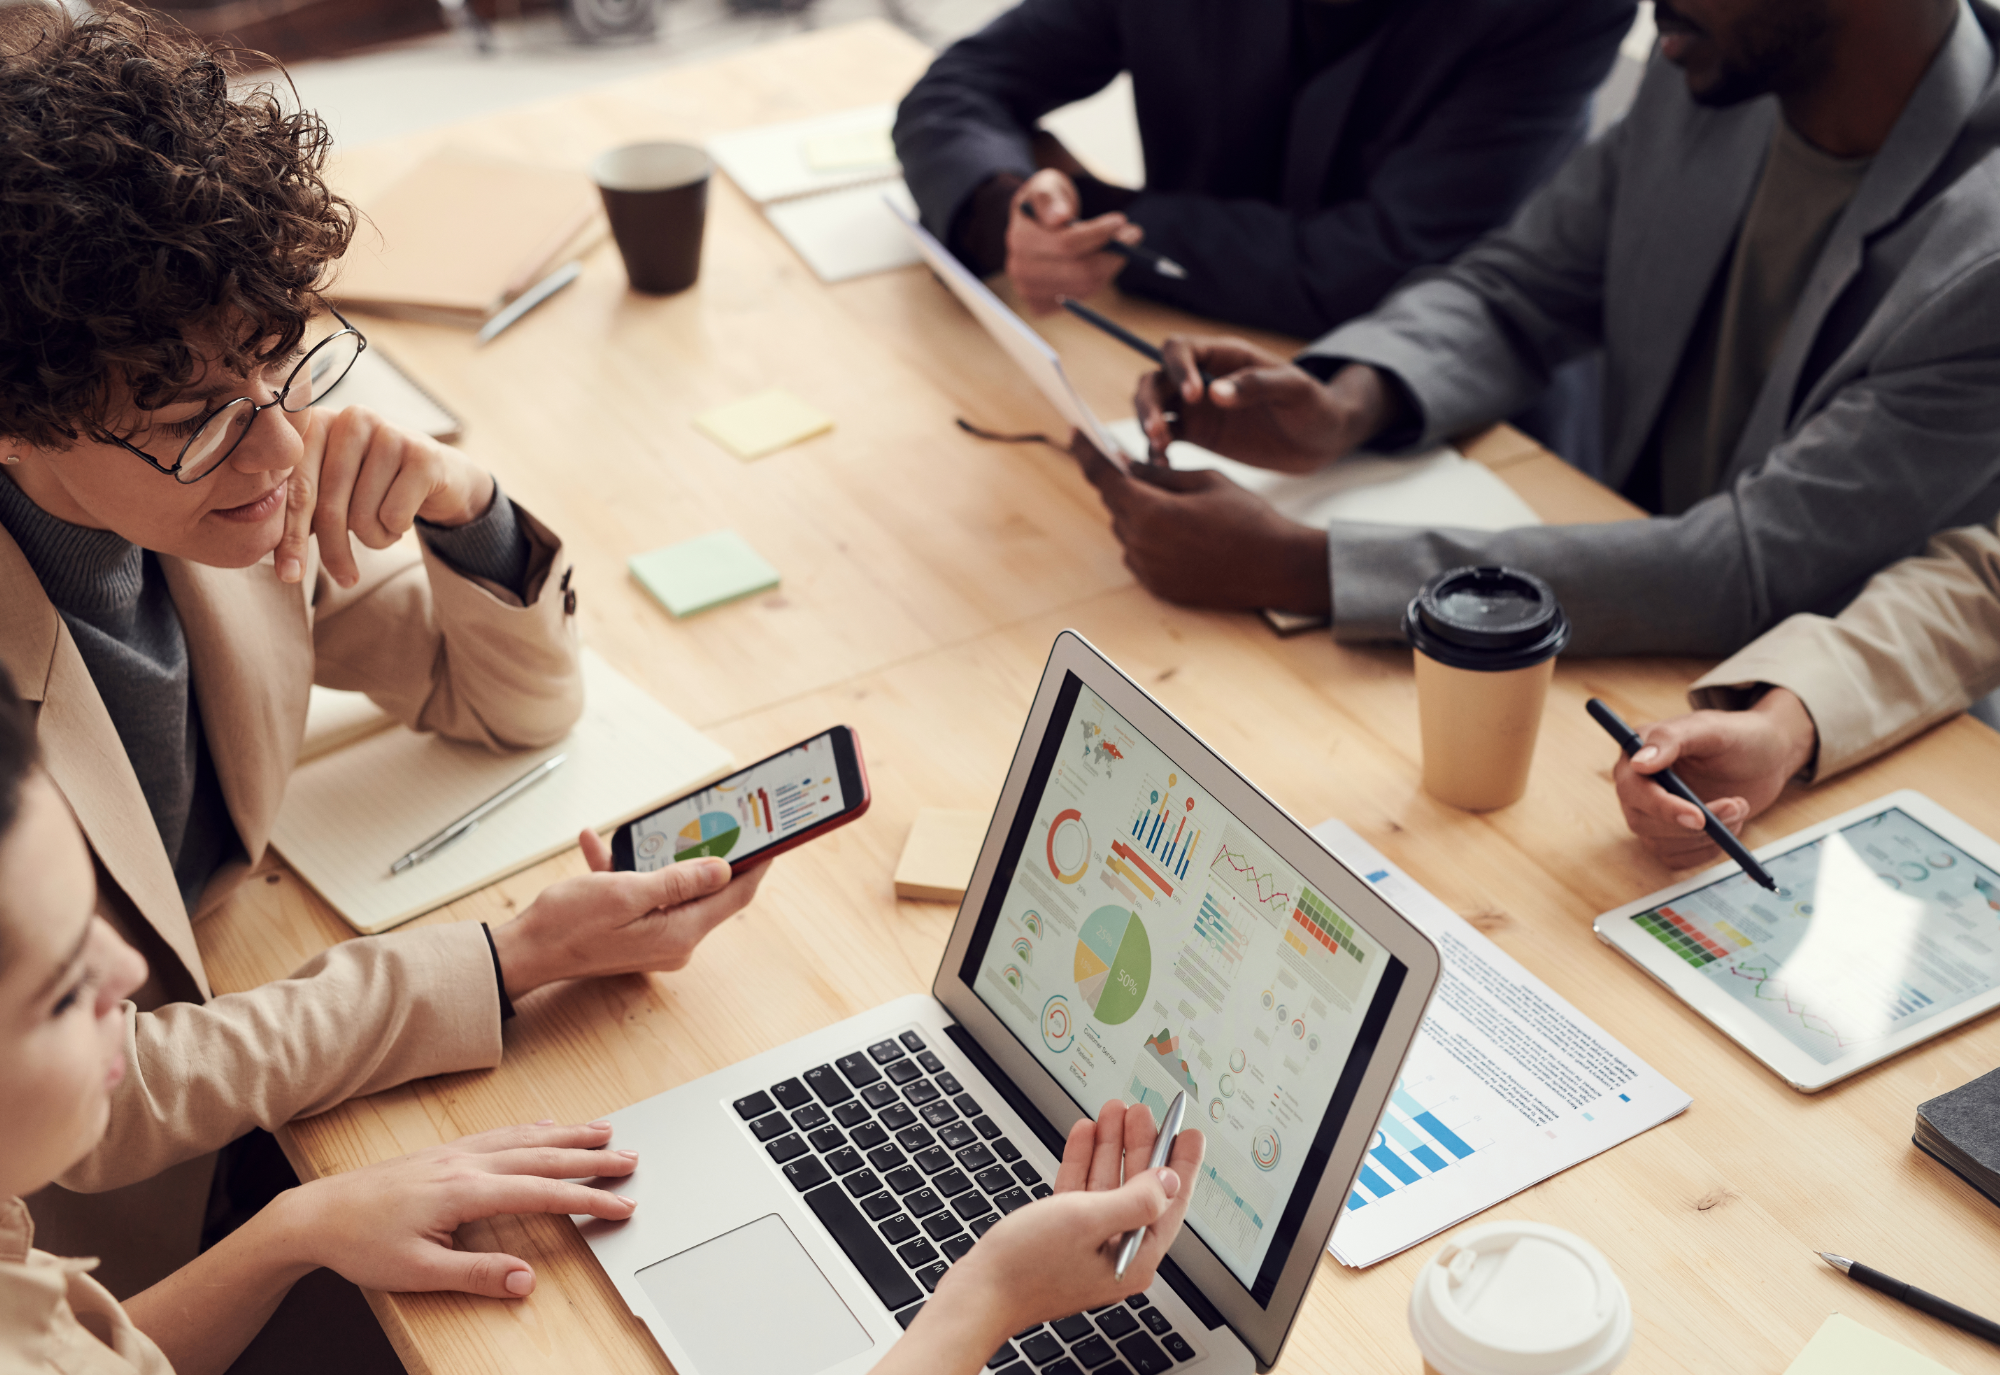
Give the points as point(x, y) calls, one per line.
point(376, 792)
point(381, 386)
point(460, 235)
point(1961, 1130)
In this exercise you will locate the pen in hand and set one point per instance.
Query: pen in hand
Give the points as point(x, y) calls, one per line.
point(1629, 741)
point(1162, 1144)
point(1130, 252)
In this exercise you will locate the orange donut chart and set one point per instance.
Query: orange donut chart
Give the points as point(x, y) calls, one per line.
point(1070, 818)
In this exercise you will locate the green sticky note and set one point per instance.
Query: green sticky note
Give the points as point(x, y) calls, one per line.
point(702, 572)
point(763, 423)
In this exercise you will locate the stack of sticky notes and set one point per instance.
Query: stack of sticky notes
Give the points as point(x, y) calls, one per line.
point(938, 857)
point(702, 572)
point(762, 423)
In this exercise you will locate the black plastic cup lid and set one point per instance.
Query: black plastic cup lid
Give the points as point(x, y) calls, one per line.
point(1486, 619)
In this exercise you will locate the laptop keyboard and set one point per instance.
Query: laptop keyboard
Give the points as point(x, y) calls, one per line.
point(906, 1171)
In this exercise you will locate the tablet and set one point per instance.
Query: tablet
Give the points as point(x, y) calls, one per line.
point(1884, 932)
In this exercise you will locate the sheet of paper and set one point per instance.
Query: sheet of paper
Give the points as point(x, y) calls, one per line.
point(349, 814)
point(848, 149)
point(1843, 1346)
point(777, 161)
point(702, 572)
point(848, 233)
point(1439, 489)
point(1506, 1085)
point(938, 856)
point(763, 423)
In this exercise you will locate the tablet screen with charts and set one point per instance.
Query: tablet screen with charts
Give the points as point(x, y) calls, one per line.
point(1884, 931)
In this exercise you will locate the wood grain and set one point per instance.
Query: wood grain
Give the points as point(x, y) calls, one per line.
point(926, 575)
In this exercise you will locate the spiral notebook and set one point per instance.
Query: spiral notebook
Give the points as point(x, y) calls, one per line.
point(369, 790)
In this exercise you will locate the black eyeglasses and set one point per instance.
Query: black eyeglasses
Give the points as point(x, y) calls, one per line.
point(219, 432)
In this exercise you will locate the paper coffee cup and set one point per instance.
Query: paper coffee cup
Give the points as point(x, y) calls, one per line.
point(1520, 1298)
point(1486, 642)
point(656, 197)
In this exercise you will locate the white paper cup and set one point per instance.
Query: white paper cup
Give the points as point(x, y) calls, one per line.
point(1520, 1298)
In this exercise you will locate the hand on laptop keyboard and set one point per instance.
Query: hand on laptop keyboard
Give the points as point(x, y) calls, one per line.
point(1054, 1257)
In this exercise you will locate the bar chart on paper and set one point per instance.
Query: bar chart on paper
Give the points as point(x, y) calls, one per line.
point(1411, 1144)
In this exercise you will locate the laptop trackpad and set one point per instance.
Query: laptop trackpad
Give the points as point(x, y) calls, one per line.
point(719, 1300)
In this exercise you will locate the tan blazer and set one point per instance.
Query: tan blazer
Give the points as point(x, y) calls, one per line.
point(1920, 644)
point(439, 651)
point(363, 1016)
point(55, 1319)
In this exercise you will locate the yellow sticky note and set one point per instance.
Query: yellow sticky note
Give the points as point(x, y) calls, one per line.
point(762, 423)
point(1843, 1346)
point(938, 857)
point(849, 149)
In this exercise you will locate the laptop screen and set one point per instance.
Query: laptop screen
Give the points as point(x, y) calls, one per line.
point(1140, 941)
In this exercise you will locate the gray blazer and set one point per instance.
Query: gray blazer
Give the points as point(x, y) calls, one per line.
point(1878, 426)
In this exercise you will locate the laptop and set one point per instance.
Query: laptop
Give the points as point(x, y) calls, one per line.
point(1141, 921)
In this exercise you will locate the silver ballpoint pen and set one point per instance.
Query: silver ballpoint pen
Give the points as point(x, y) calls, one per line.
point(529, 299)
point(1169, 1129)
point(464, 826)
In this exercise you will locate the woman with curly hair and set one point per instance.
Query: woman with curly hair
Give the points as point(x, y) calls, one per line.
point(188, 544)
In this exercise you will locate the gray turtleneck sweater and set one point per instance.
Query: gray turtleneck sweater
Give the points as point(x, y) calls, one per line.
point(113, 596)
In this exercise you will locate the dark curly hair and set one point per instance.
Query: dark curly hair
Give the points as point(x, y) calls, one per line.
point(148, 217)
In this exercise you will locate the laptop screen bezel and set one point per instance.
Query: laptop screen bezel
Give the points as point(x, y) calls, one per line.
point(1261, 1325)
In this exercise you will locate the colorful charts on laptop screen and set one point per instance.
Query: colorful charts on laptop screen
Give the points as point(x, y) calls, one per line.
point(1149, 944)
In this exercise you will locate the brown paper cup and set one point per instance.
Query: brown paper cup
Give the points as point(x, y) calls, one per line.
point(1479, 730)
point(656, 197)
point(1486, 641)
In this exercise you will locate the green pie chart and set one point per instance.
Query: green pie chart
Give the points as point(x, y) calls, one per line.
point(1114, 963)
point(711, 833)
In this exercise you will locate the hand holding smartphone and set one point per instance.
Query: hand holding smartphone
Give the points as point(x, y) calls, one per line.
point(756, 814)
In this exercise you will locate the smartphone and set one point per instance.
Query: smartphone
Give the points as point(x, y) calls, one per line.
point(755, 814)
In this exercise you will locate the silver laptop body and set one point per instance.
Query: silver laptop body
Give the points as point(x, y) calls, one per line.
point(1141, 921)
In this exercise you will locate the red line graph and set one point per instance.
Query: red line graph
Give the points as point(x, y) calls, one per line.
point(1256, 878)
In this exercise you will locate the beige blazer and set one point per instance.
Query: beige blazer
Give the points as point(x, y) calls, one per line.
point(1920, 644)
point(363, 1016)
point(55, 1319)
point(439, 651)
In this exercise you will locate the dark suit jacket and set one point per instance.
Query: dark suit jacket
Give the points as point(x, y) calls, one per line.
point(1290, 214)
point(1878, 423)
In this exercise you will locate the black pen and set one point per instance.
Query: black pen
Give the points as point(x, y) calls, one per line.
point(1629, 741)
point(1112, 328)
point(1130, 252)
point(1943, 1309)
point(1121, 334)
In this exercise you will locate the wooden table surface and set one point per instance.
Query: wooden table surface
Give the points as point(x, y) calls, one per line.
point(925, 575)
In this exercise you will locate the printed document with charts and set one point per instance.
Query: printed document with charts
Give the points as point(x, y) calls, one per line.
point(1506, 1085)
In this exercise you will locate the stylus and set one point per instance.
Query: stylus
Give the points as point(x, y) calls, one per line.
point(1629, 741)
point(1169, 1129)
point(1130, 252)
point(1963, 1319)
